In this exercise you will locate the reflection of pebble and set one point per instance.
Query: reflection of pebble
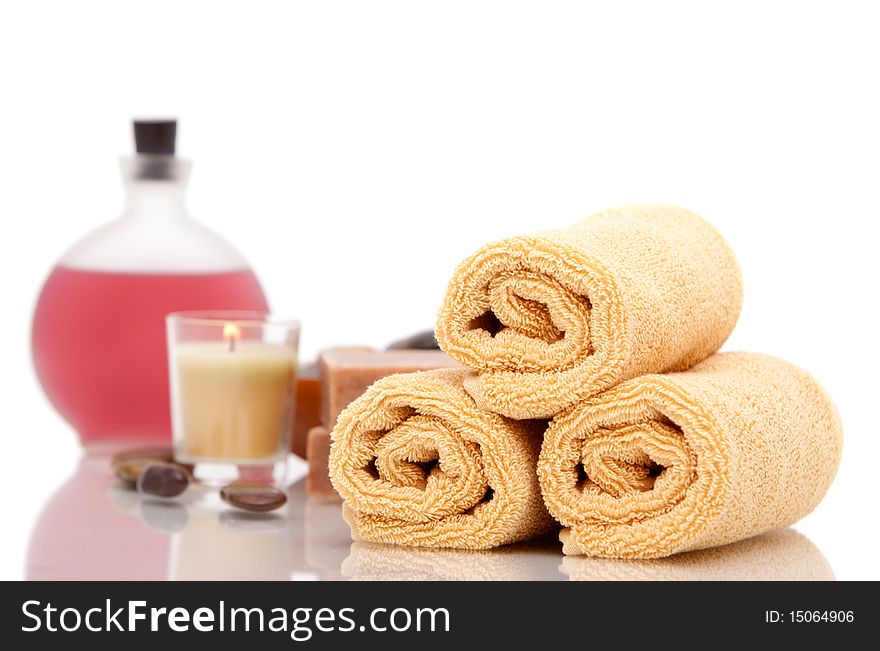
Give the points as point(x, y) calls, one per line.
point(124, 499)
point(244, 521)
point(167, 517)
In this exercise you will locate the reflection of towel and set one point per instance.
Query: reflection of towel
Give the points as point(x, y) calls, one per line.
point(550, 319)
point(740, 444)
point(417, 463)
point(534, 561)
point(783, 555)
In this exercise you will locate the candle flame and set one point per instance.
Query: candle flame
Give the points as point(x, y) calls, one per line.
point(232, 334)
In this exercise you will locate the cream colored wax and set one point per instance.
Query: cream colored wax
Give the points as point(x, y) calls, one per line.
point(233, 403)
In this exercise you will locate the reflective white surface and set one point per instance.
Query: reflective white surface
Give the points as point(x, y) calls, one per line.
point(354, 196)
point(95, 528)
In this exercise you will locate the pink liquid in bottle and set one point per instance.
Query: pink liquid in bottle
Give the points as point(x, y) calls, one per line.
point(99, 344)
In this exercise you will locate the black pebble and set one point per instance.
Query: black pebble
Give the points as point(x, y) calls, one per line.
point(163, 480)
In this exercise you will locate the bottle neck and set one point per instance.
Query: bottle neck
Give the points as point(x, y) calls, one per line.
point(155, 187)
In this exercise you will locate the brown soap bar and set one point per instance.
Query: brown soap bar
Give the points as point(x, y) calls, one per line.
point(346, 373)
point(318, 454)
point(307, 409)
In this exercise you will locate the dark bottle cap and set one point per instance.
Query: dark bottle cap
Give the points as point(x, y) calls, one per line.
point(155, 137)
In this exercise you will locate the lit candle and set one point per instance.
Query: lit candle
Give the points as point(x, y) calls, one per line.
point(232, 334)
point(232, 399)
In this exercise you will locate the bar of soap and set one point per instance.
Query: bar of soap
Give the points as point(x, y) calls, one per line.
point(307, 409)
point(346, 373)
point(318, 454)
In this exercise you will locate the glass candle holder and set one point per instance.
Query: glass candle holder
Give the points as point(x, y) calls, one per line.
point(232, 380)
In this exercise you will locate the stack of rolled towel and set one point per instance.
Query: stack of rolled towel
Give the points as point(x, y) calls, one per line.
point(591, 395)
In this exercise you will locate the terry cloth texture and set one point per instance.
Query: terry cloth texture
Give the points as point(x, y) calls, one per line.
point(553, 318)
point(740, 444)
point(418, 463)
point(783, 555)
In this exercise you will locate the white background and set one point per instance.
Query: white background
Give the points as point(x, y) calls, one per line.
point(356, 151)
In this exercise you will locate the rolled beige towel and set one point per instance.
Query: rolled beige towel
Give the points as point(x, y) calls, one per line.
point(552, 318)
point(740, 444)
point(418, 463)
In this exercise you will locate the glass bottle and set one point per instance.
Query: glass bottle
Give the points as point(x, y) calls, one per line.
point(98, 333)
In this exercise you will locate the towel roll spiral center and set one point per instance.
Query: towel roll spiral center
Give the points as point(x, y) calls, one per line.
point(646, 464)
point(522, 306)
point(427, 465)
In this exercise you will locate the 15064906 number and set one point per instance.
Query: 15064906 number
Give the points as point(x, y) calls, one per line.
point(799, 616)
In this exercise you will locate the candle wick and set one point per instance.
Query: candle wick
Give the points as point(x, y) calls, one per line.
point(231, 333)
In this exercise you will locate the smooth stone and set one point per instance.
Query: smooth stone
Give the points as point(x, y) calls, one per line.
point(252, 496)
point(162, 479)
point(157, 454)
point(129, 464)
point(419, 341)
point(129, 470)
